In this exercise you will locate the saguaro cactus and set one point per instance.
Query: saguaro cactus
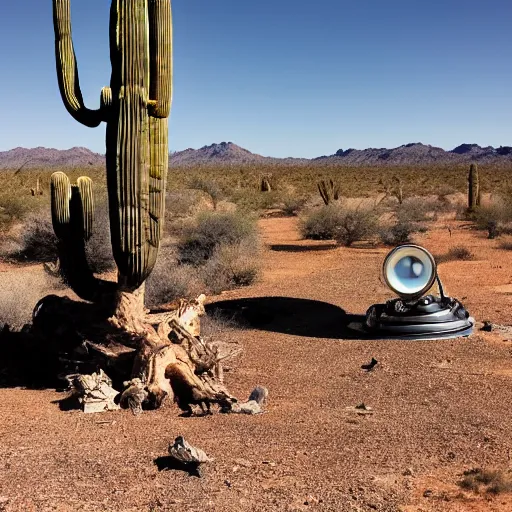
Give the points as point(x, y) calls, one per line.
point(473, 188)
point(135, 107)
point(329, 191)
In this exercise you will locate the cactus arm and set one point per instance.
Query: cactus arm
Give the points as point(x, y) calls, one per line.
point(67, 71)
point(84, 186)
point(72, 212)
point(159, 163)
point(160, 58)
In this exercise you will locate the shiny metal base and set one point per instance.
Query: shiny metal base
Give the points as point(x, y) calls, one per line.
point(428, 318)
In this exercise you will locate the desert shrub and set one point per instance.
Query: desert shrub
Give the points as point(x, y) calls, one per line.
point(356, 225)
point(181, 203)
point(209, 187)
point(321, 223)
point(416, 210)
point(211, 230)
point(399, 233)
point(19, 293)
point(456, 253)
point(252, 200)
point(495, 218)
point(12, 209)
point(491, 481)
point(38, 242)
point(170, 280)
point(292, 204)
point(231, 266)
point(506, 246)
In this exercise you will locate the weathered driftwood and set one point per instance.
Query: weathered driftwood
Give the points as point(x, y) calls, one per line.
point(94, 392)
point(162, 349)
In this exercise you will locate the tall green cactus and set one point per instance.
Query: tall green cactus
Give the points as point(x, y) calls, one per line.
point(136, 108)
point(473, 188)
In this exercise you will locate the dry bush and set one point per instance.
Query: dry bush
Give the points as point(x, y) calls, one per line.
point(293, 204)
point(495, 218)
point(321, 223)
point(417, 209)
point(19, 293)
point(170, 280)
point(210, 187)
point(38, 242)
point(458, 253)
point(252, 200)
point(338, 222)
point(488, 480)
point(211, 230)
point(12, 208)
point(399, 233)
point(506, 246)
point(356, 225)
point(232, 266)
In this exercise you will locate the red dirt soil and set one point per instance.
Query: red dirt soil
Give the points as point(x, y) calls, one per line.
point(439, 407)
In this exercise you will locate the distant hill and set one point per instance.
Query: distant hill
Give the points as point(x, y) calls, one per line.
point(22, 158)
point(226, 153)
point(419, 154)
point(229, 154)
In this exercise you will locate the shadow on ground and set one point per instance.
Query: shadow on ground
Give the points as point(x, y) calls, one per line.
point(301, 248)
point(167, 463)
point(299, 317)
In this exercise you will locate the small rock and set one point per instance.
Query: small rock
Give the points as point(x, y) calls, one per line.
point(243, 462)
point(428, 493)
point(408, 472)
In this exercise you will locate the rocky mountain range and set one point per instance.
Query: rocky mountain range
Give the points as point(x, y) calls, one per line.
point(228, 154)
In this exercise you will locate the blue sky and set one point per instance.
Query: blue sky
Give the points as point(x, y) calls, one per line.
point(282, 77)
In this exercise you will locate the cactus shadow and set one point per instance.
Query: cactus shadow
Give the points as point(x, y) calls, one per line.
point(288, 315)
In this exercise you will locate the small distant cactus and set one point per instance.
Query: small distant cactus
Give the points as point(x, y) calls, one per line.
point(473, 188)
point(329, 191)
point(399, 189)
point(37, 191)
point(265, 184)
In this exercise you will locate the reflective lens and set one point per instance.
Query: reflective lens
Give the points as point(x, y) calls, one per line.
point(409, 270)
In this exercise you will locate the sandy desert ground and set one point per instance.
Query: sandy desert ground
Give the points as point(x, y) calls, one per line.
point(439, 408)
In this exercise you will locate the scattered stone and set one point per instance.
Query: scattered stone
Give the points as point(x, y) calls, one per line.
point(408, 472)
point(186, 453)
point(254, 405)
point(243, 462)
point(134, 395)
point(94, 392)
point(428, 493)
